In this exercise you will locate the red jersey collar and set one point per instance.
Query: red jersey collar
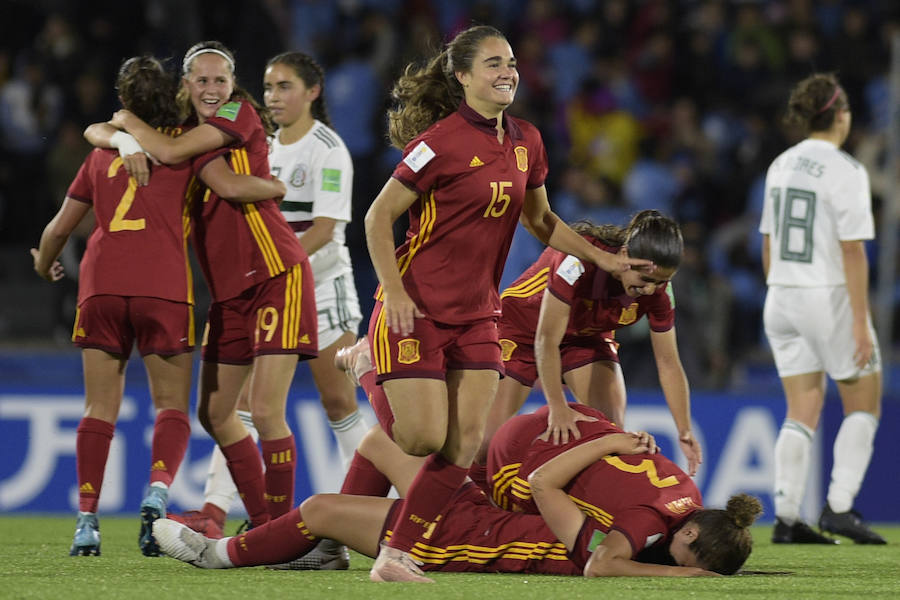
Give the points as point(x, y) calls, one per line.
point(489, 125)
point(605, 285)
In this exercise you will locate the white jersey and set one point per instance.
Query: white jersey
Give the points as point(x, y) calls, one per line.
point(816, 197)
point(318, 173)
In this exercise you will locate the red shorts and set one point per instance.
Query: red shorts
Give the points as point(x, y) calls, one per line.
point(114, 323)
point(520, 364)
point(432, 348)
point(276, 316)
point(474, 536)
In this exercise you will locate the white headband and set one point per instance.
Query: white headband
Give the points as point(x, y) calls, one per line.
point(186, 65)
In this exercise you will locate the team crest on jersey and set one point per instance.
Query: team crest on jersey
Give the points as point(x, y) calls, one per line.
point(298, 176)
point(507, 347)
point(408, 351)
point(521, 158)
point(629, 315)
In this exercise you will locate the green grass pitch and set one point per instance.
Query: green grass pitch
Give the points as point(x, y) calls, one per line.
point(34, 563)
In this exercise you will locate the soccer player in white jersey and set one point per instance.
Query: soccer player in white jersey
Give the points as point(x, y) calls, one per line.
point(313, 162)
point(816, 216)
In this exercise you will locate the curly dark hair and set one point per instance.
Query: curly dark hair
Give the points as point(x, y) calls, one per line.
point(724, 541)
point(146, 89)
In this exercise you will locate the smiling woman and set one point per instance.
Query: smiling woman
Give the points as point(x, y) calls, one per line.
point(469, 173)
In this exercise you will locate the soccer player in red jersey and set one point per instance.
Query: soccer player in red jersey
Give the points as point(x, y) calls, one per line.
point(135, 286)
point(469, 173)
point(263, 313)
point(477, 536)
point(558, 320)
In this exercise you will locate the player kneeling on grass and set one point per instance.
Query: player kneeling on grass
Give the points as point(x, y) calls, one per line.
point(476, 536)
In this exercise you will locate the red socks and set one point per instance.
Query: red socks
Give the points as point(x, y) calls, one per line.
point(363, 479)
point(171, 434)
point(275, 542)
point(280, 457)
point(247, 473)
point(92, 442)
point(429, 493)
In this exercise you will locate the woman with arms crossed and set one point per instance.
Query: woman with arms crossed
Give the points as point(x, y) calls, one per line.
point(135, 286)
point(262, 317)
point(816, 216)
point(469, 172)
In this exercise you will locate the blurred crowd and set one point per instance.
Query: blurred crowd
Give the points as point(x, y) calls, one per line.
point(669, 104)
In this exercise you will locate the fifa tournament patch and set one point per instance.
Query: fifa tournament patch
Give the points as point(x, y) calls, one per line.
point(570, 269)
point(671, 294)
point(596, 537)
point(229, 110)
point(331, 180)
point(419, 157)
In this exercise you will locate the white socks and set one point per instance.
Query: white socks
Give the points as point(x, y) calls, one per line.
point(220, 489)
point(792, 451)
point(349, 432)
point(852, 452)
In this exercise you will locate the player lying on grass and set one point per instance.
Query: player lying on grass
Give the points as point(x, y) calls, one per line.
point(475, 536)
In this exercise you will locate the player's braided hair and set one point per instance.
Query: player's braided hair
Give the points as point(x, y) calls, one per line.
point(312, 74)
point(183, 98)
point(146, 90)
point(424, 95)
point(649, 235)
point(724, 541)
point(815, 102)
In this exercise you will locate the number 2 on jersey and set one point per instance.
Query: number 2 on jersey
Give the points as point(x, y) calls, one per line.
point(794, 227)
point(499, 199)
point(646, 466)
point(119, 222)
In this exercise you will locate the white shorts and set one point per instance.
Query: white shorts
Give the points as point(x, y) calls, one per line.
point(338, 307)
point(810, 329)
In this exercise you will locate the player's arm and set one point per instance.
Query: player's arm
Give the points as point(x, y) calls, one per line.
point(55, 236)
point(856, 272)
point(319, 234)
point(136, 163)
point(612, 558)
point(219, 177)
point(169, 150)
point(546, 226)
point(675, 388)
point(392, 201)
point(554, 318)
point(547, 482)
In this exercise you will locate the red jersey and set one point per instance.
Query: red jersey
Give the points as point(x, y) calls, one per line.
point(475, 536)
point(646, 497)
point(471, 191)
point(598, 301)
point(139, 243)
point(240, 245)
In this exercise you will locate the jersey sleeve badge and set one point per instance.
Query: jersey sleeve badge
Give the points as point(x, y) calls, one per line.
point(570, 269)
point(419, 157)
point(331, 180)
point(229, 111)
